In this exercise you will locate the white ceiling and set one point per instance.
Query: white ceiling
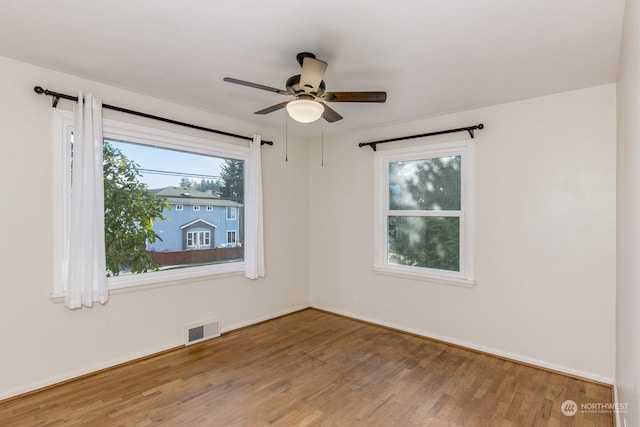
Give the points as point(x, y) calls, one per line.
point(431, 56)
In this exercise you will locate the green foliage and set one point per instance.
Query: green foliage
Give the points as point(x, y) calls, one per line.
point(425, 241)
point(213, 185)
point(186, 182)
point(232, 174)
point(130, 211)
point(431, 242)
point(431, 184)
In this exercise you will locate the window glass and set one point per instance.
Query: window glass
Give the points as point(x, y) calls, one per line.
point(142, 232)
point(429, 184)
point(153, 178)
point(231, 213)
point(424, 212)
point(430, 242)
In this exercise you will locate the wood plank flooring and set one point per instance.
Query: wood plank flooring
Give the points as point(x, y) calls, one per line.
point(313, 368)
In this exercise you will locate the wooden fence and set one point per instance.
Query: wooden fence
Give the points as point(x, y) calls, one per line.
point(197, 256)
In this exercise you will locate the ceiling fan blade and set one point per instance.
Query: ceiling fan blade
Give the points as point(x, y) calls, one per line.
point(312, 74)
point(355, 96)
point(273, 108)
point(330, 114)
point(256, 85)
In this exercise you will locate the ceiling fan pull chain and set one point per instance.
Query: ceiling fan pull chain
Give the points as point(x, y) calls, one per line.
point(286, 138)
point(322, 136)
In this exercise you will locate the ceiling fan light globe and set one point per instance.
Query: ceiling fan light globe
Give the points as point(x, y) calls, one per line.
point(305, 110)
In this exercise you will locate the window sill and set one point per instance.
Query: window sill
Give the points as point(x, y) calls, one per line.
point(426, 277)
point(160, 279)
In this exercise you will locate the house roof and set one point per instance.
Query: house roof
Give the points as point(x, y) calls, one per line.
point(192, 197)
point(195, 221)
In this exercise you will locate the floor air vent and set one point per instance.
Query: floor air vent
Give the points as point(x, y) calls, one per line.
point(201, 331)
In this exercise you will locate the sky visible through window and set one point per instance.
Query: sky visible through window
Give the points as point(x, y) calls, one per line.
point(160, 167)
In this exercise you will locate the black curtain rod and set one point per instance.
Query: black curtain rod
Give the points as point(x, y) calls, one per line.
point(469, 129)
point(56, 97)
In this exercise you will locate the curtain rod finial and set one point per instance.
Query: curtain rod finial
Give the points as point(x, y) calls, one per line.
point(38, 89)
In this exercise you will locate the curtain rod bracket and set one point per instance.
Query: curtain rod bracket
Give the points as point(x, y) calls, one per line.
point(472, 130)
point(370, 144)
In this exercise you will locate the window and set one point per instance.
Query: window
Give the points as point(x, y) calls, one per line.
point(231, 213)
point(424, 212)
point(209, 208)
point(231, 236)
point(159, 164)
point(198, 239)
point(196, 208)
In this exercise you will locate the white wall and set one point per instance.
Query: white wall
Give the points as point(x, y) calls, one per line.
point(628, 294)
point(545, 259)
point(40, 339)
point(545, 235)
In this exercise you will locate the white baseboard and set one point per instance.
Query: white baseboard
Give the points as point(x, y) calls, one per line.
point(85, 371)
point(263, 318)
point(115, 362)
point(473, 346)
point(507, 355)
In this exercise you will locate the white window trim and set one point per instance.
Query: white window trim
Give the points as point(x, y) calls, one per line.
point(179, 207)
point(235, 233)
point(464, 277)
point(209, 208)
point(117, 130)
point(235, 213)
point(196, 207)
point(206, 235)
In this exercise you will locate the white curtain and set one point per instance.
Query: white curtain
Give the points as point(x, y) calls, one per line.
point(85, 260)
point(254, 234)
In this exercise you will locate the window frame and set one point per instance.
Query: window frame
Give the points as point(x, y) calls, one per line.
point(179, 208)
point(196, 208)
point(383, 157)
point(235, 236)
point(234, 216)
point(195, 235)
point(140, 134)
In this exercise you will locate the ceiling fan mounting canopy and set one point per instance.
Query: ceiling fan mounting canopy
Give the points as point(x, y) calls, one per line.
point(300, 57)
point(310, 86)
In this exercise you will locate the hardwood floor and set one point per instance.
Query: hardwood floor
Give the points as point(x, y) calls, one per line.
point(313, 368)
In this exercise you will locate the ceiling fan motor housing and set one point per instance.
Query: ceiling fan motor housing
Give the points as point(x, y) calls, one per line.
point(293, 86)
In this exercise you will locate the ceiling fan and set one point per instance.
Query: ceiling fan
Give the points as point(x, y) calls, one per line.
point(308, 89)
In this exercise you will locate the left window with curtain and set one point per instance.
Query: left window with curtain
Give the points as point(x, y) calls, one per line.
point(149, 176)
